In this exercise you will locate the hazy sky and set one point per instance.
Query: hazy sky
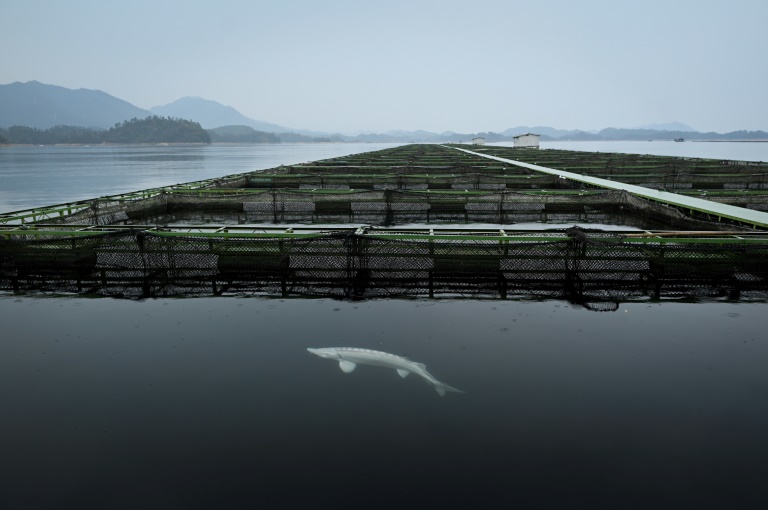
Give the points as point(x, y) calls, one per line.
point(358, 65)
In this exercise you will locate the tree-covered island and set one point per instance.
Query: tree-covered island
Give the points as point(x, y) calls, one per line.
point(150, 130)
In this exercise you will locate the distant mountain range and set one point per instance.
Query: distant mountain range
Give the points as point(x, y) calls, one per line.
point(669, 126)
point(41, 106)
point(211, 114)
point(37, 105)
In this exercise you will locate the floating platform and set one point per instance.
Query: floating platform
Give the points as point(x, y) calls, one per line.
point(253, 233)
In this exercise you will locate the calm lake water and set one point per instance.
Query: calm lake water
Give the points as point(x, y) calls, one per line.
point(39, 176)
point(216, 403)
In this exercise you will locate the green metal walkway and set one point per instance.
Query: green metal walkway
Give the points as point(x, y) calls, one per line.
point(740, 214)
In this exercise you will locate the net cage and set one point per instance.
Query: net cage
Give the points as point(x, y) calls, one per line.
point(383, 208)
point(581, 266)
point(656, 172)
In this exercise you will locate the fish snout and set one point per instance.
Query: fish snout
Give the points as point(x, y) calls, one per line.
point(323, 353)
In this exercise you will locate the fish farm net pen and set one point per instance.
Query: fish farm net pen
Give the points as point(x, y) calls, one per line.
point(252, 233)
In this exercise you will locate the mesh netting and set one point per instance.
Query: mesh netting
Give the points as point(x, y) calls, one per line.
point(591, 268)
point(386, 207)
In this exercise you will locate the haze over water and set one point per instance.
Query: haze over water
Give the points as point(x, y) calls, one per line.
point(350, 67)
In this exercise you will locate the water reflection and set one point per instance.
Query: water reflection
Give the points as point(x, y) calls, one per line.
point(214, 402)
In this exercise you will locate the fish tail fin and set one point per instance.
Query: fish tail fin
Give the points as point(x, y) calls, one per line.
point(443, 388)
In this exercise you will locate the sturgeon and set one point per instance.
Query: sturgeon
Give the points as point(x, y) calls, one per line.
point(350, 357)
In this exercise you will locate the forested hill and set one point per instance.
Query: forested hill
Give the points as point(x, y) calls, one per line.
point(157, 130)
point(152, 129)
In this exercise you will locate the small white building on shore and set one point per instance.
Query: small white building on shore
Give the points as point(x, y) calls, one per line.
point(527, 140)
point(478, 141)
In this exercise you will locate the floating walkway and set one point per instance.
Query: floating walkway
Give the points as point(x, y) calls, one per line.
point(718, 210)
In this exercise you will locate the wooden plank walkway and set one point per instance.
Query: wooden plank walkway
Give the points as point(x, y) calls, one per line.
point(756, 219)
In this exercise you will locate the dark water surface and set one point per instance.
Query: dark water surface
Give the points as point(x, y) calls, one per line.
point(215, 403)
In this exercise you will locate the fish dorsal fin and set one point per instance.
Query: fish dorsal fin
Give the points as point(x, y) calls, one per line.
point(347, 366)
point(421, 366)
point(403, 373)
